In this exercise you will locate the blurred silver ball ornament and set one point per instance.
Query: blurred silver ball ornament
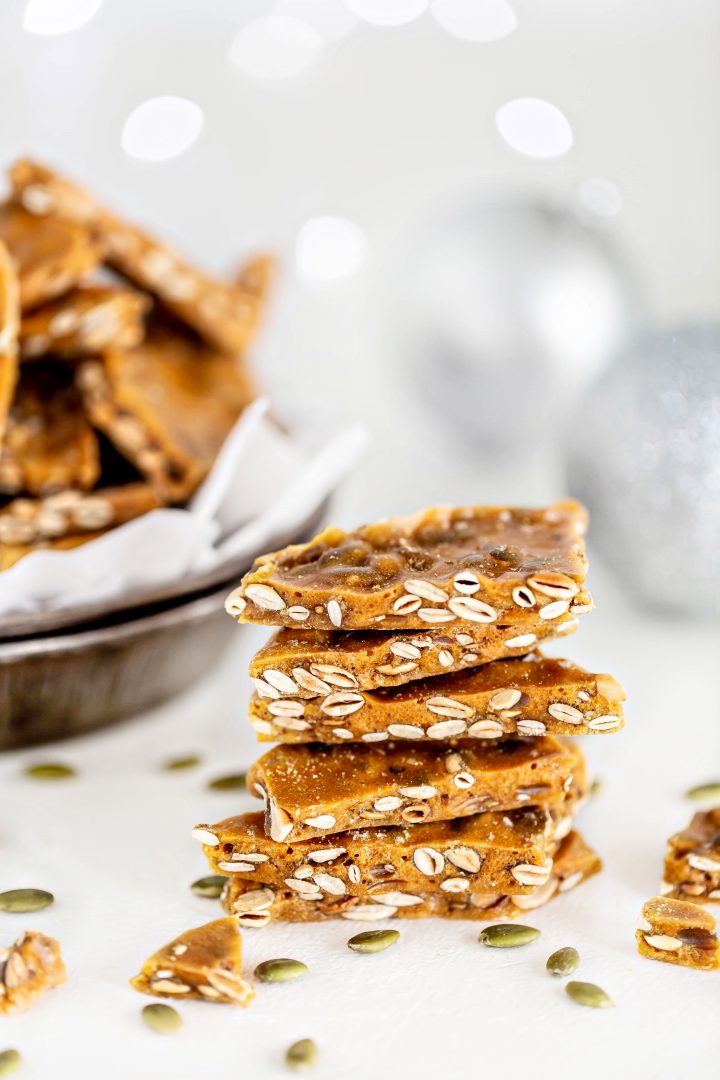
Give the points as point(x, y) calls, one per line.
point(643, 452)
point(501, 312)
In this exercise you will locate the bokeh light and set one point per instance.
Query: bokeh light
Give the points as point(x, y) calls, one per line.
point(275, 47)
point(534, 127)
point(328, 248)
point(600, 197)
point(388, 12)
point(331, 18)
point(52, 17)
point(161, 128)
point(475, 20)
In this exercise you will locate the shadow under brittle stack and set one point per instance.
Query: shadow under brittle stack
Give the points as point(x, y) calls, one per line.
point(422, 766)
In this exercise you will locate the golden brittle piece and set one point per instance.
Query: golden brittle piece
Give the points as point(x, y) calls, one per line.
point(204, 963)
point(167, 404)
point(368, 659)
point(51, 255)
point(256, 904)
point(491, 852)
point(692, 863)
point(533, 695)
point(10, 554)
point(86, 321)
point(445, 566)
point(27, 521)
point(27, 969)
point(311, 790)
point(49, 445)
point(9, 330)
point(224, 314)
point(678, 932)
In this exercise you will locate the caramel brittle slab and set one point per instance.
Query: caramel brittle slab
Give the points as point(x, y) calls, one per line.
point(204, 963)
point(27, 521)
point(492, 852)
point(49, 445)
point(312, 789)
point(51, 255)
point(533, 695)
point(167, 404)
point(678, 932)
point(256, 904)
point(10, 554)
point(88, 320)
point(692, 863)
point(28, 968)
point(224, 314)
point(445, 566)
point(301, 662)
point(9, 330)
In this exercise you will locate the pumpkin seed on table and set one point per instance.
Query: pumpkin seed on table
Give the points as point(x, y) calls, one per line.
point(210, 887)
point(563, 961)
point(162, 1018)
point(301, 1055)
point(705, 792)
point(179, 763)
point(233, 782)
point(280, 970)
point(507, 935)
point(585, 993)
point(50, 770)
point(372, 941)
point(25, 900)
point(9, 1062)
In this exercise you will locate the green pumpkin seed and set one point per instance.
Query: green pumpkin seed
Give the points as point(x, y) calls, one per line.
point(50, 770)
point(178, 763)
point(373, 940)
point(563, 962)
point(281, 970)
point(233, 782)
point(9, 1062)
point(585, 993)
point(705, 792)
point(25, 900)
point(507, 935)
point(301, 1055)
point(210, 886)
point(162, 1018)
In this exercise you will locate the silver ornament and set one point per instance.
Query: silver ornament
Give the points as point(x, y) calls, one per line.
point(643, 452)
point(502, 311)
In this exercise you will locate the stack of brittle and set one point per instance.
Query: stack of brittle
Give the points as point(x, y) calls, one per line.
point(424, 766)
point(121, 367)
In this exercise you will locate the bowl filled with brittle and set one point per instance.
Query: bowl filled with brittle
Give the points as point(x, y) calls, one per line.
point(140, 467)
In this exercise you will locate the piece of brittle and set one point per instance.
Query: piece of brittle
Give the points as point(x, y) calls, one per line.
point(692, 863)
point(492, 852)
point(10, 554)
point(9, 330)
point(204, 963)
point(678, 932)
point(533, 695)
point(256, 904)
point(167, 405)
point(86, 321)
point(27, 969)
point(445, 566)
point(312, 789)
point(27, 521)
point(224, 314)
point(51, 255)
point(49, 445)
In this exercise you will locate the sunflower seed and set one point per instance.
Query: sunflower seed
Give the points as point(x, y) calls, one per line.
point(264, 596)
point(252, 918)
point(210, 887)
point(407, 652)
point(530, 874)
point(354, 874)
point(397, 899)
point(9, 1061)
point(305, 888)
point(704, 863)
point(406, 605)
point(396, 669)
point(334, 611)
point(280, 681)
point(336, 676)
point(265, 690)
point(471, 609)
point(205, 836)
point(23, 901)
point(464, 858)
point(281, 824)
point(387, 805)
point(507, 935)
point(50, 770)
point(178, 764)
point(372, 941)
point(463, 780)
point(663, 942)
point(604, 723)
point(162, 1018)
point(232, 782)
point(422, 791)
point(303, 872)
point(504, 699)
point(435, 615)
point(322, 821)
point(445, 658)
point(549, 583)
point(531, 727)
point(375, 736)
point(326, 855)
point(455, 885)
point(298, 613)
point(524, 641)
point(523, 596)
point(330, 884)
point(553, 610)
point(705, 792)
point(342, 703)
point(254, 900)
point(429, 861)
point(169, 986)
point(446, 729)
point(445, 706)
point(570, 881)
point(280, 970)
point(585, 993)
point(486, 729)
point(368, 913)
point(453, 763)
point(286, 707)
point(405, 731)
point(426, 590)
point(301, 1055)
point(310, 682)
point(568, 714)
point(563, 961)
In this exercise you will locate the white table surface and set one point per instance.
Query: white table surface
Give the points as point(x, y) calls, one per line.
point(114, 847)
